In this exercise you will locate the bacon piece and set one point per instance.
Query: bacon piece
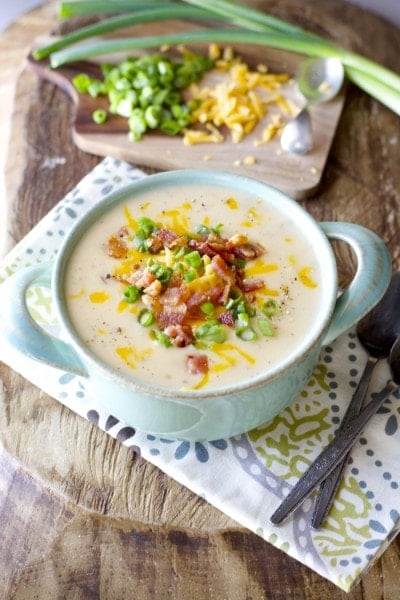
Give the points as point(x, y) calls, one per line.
point(212, 248)
point(154, 289)
point(175, 295)
point(222, 269)
point(226, 318)
point(250, 285)
point(116, 247)
point(212, 295)
point(142, 278)
point(162, 238)
point(171, 315)
point(248, 251)
point(197, 363)
point(180, 335)
point(123, 232)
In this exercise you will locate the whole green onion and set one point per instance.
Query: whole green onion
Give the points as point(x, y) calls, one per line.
point(252, 26)
point(78, 8)
point(147, 14)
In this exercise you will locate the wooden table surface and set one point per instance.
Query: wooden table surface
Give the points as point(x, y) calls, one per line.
point(81, 516)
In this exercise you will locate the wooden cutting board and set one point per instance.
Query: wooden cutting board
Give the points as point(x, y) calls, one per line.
point(298, 176)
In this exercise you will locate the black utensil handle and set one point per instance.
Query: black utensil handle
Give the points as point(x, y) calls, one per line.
point(325, 463)
point(327, 491)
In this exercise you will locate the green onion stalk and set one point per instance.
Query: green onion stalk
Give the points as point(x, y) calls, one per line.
point(247, 25)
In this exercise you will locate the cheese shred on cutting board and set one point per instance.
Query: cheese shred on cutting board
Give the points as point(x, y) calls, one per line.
point(237, 102)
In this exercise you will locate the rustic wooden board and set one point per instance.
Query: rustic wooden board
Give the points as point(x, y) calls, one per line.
point(298, 176)
point(82, 516)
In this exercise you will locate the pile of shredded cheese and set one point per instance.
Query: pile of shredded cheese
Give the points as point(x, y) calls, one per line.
point(237, 102)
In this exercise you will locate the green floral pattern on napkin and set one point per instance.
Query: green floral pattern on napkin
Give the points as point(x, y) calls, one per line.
point(246, 476)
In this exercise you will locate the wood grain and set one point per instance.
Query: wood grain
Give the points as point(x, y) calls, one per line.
point(81, 516)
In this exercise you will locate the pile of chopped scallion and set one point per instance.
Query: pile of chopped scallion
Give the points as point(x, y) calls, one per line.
point(242, 24)
point(146, 90)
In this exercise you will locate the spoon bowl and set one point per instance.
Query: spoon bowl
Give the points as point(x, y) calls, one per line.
point(318, 80)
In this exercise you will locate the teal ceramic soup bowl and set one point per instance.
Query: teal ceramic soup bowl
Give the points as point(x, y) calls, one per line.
point(217, 412)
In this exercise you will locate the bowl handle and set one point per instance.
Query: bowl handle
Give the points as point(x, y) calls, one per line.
point(372, 277)
point(23, 333)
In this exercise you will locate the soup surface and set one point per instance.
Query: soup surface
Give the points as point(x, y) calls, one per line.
point(192, 287)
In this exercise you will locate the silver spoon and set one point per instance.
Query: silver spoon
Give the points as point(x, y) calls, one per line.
point(377, 332)
point(340, 445)
point(319, 80)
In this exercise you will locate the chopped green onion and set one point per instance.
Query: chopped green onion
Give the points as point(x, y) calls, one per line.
point(271, 307)
point(161, 338)
point(152, 116)
point(178, 252)
point(147, 225)
point(161, 271)
point(131, 294)
point(194, 259)
point(246, 334)
point(207, 308)
point(170, 127)
point(81, 82)
point(242, 321)
point(266, 326)
point(140, 241)
point(145, 317)
point(96, 88)
point(235, 298)
point(211, 331)
point(190, 275)
point(243, 329)
point(205, 229)
point(137, 125)
point(146, 90)
point(99, 116)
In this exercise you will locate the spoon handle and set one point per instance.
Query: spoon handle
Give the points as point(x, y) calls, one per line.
point(325, 463)
point(328, 487)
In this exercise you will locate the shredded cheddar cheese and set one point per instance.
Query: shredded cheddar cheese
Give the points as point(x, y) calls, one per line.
point(98, 297)
point(238, 102)
point(305, 277)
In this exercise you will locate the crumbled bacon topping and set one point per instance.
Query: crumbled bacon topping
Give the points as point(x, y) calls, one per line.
point(197, 363)
point(117, 247)
point(180, 335)
point(176, 299)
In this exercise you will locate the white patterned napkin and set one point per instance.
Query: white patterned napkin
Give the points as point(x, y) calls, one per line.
point(247, 476)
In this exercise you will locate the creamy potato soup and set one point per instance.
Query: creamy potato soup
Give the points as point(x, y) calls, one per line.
point(192, 287)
